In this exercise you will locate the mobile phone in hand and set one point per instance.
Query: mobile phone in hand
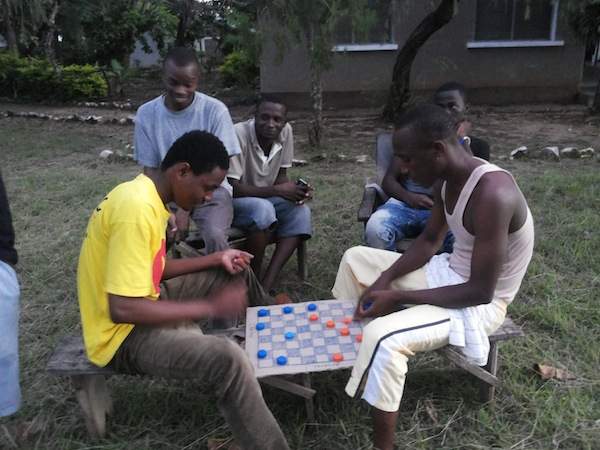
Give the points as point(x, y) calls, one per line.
point(301, 182)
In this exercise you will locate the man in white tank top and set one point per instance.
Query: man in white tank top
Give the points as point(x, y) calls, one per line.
point(456, 299)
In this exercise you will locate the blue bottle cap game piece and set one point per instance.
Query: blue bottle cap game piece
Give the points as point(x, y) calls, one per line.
point(260, 326)
point(281, 360)
point(312, 307)
point(261, 354)
point(290, 335)
point(367, 304)
point(263, 312)
point(287, 309)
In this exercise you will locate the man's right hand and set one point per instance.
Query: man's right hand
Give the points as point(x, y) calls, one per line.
point(381, 284)
point(292, 191)
point(230, 300)
point(418, 201)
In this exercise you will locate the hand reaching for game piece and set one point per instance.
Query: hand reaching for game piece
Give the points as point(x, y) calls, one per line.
point(235, 261)
point(366, 301)
point(379, 303)
point(230, 300)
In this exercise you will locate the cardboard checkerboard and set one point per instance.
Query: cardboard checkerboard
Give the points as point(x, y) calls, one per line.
point(313, 345)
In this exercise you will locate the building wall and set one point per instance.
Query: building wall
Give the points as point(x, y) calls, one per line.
point(492, 75)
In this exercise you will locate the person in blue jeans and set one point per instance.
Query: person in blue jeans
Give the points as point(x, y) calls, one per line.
point(404, 214)
point(10, 391)
point(265, 201)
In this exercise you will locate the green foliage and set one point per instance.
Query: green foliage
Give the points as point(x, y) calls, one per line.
point(314, 22)
point(81, 82)
point(32, 76)
point(37, 79)
point(103, 30)
point(239, 68)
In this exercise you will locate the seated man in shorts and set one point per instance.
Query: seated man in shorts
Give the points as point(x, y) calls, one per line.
point(138, 308)
point(456, 299)
point(265, 200)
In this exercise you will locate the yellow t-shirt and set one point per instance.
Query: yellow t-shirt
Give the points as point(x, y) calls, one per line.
point(123, 253)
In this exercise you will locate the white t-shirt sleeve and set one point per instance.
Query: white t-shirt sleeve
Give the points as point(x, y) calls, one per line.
point(222, 127)
point(145, 151)
point(288, 147)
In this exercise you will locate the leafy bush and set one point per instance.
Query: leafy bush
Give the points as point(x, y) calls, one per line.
point(38, 79)
point(81, 82)
point(239, 69)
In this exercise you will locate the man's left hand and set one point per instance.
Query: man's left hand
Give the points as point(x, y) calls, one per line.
point(235, 261)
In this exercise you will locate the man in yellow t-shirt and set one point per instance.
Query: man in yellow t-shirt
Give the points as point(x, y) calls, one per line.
point(131, 296)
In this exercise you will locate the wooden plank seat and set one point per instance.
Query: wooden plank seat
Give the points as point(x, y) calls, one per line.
point(69, 360)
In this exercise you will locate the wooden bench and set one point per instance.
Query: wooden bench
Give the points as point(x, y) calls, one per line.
point(69, 360)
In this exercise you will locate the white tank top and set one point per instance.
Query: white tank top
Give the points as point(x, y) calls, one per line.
point(520, 242)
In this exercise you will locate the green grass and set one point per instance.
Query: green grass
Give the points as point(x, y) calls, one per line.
point(54, 180)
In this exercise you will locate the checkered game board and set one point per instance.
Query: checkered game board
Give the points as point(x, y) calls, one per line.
point(304, 337)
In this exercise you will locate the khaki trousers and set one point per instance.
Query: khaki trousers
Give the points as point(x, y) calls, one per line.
point(184, 352)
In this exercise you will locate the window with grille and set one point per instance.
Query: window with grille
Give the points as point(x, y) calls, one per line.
point(516, 20)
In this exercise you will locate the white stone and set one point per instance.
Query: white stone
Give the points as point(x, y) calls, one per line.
point(519, 152)
point(587, 152)
point(569, 152)
point(361, 159)
point(550, 153)
point(106, 154)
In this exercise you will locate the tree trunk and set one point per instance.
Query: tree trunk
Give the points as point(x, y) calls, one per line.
point(316, 93)
point(596, 102)
point(184, 23)
point(48, 41)
point(399, 93)
point(11, 35)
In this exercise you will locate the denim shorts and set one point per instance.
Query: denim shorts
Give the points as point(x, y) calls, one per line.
point(285, 218)
point(10, 391)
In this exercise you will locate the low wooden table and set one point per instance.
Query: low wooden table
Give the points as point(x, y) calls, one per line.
point(69, 360)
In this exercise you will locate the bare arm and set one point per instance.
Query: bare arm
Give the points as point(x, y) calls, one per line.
point(493, 205)
point(228, 301)
point(143, 311)
point(392, 186)
point(231, 260)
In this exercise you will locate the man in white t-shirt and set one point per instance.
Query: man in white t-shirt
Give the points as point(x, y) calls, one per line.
point(160, 122)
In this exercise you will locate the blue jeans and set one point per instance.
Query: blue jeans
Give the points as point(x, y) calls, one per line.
point(394, 221)
point(10, 392)
point(285, 218)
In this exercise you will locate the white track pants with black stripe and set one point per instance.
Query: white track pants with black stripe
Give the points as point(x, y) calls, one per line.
point(388, 341)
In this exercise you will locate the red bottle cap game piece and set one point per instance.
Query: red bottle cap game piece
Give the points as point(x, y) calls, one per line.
point(359, 338)
point(313, 317)
point(330, 324)
point(347, 320)
point(338, 357)
point(344, 331)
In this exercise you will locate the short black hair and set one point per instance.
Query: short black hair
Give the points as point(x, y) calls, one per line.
point(201, 150)
point(269, 98)
point(181, 56)
point(429, 122)
point(453, 86)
